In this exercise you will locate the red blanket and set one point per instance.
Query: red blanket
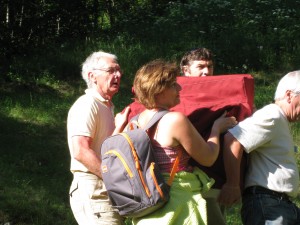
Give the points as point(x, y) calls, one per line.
point(204, 99)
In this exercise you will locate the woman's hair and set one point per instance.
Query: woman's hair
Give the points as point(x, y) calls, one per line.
point(153, 78)
point(92, 62)
point(291, 82)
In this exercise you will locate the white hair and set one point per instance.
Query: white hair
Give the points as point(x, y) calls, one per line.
point(92, 62)
point(291, 82)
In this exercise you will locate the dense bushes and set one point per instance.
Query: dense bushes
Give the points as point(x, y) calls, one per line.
point(245, 36)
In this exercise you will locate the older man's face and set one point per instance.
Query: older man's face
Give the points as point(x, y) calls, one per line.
point(293, 113)
point(108, 77)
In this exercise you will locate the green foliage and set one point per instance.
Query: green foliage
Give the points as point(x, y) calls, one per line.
point(244, 35)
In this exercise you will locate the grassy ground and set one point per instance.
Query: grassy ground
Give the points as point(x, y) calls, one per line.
point(34, 162)
point(34, 159)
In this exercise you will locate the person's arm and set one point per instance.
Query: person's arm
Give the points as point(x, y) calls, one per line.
point(87, 156)
point(232, 156)
point(121, 120)
point(220, 125)
point(175, 128)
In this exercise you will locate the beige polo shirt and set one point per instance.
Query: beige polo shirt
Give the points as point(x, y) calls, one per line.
point(91, 116)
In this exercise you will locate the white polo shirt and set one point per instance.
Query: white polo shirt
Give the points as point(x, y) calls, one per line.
point(266, 135)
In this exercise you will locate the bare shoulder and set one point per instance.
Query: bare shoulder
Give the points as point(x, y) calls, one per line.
point(173, 118)
point(170, 127)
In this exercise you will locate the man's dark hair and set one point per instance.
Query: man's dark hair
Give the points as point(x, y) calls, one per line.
point(196, 54)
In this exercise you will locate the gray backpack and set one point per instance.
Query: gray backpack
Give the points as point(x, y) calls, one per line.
point(133, 181)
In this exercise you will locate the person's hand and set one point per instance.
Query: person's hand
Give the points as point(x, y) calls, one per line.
point(223, 123)
point(121, 119)
point(229, 195)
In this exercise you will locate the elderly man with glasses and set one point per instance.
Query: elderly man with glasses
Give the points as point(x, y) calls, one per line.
point(90, 121)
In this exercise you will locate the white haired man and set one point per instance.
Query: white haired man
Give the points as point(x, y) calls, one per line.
point(272, 176)
point(90, 121)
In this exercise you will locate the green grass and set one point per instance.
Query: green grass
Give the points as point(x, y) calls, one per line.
point(34, 162)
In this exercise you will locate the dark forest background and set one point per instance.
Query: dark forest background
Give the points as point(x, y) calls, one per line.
point(57, 35)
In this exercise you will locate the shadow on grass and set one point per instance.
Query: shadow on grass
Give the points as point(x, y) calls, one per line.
point(34, 166)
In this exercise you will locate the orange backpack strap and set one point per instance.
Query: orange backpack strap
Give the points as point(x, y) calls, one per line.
point(174, 168)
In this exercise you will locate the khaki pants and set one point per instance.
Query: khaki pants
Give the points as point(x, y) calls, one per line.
point(90, 203)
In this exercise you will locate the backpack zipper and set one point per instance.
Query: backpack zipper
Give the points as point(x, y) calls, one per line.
point(114, 152)
point(155, 181)
point(137, 164)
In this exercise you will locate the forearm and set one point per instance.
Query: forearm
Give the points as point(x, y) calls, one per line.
point(220, 125)
point(214, 144)
point(86, 155)
point(232, 155)
point(121, 120)
point(90, 160)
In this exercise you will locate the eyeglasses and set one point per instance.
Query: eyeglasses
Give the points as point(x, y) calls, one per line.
point(296, 92)
point(110, 70)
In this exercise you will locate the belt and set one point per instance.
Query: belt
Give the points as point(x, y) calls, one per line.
point(262, 190)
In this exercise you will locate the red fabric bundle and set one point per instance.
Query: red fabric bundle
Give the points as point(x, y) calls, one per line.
point(204, 99)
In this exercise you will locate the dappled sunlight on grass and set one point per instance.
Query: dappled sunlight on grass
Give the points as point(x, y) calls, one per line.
point(40, 105)
point(31, 115)
point(34, 163)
